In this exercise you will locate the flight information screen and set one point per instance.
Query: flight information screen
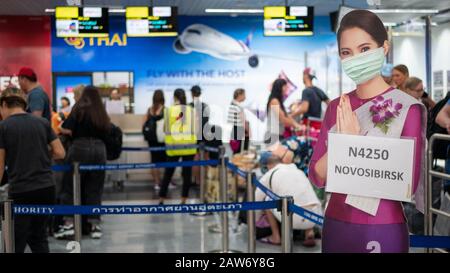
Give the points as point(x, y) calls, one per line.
point(151, 21)
point(81, 22)
point(288, 21)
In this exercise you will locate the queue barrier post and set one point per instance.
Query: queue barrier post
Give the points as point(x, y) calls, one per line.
point(223, 197)
point(202, 173)
point(251, 214)
point(429, 210)
point(223, 181)
point(7, 227)
point(286, 224)
point(77, 201)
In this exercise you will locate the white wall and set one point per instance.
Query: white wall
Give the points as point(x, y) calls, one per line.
point(411, 52)
point(441, 55)
point(441, 47)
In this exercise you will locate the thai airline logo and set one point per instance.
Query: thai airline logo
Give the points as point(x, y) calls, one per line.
point(78, 43)
point(114, 40)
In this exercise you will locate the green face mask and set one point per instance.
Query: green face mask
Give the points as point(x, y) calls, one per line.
point(365, 66)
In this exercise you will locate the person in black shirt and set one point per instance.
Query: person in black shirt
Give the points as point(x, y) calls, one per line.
point(155, 114)
point(202, 113)
point(88, 124)
point(24, 147)
point(312, 97)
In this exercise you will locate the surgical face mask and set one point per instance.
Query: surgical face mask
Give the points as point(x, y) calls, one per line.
point(365, 66)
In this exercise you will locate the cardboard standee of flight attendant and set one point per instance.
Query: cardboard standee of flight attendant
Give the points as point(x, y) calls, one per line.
point(373, 109)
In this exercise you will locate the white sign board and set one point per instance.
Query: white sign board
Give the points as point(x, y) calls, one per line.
point(370, 166)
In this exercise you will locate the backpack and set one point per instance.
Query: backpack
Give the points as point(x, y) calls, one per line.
point(203, 117)
point(149, 130)
point(440, 146)
point(113, 143)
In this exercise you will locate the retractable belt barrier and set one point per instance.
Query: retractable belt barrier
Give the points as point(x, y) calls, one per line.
point(61, 168)
point(169, 147)
point(429, 241)
point(158, 149)
point(416, 241)
point(313, 217)
point(140, 209)
point(211, 149)
point(134, 166)
point(235, 169)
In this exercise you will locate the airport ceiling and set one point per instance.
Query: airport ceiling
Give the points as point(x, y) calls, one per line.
point(197, 7)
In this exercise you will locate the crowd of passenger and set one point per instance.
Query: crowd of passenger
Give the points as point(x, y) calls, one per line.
point(33, 138)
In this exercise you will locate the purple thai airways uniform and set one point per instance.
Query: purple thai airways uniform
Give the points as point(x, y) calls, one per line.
point(348, 229)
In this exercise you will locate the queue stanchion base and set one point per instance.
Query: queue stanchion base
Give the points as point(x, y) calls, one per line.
point(237, 230)
point(200, 214)
point(215, 228)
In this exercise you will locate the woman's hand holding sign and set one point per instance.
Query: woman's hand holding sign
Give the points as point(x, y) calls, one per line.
point(346, 120)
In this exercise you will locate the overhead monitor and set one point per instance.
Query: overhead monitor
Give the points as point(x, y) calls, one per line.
point(81, 22)
point(151, 21)
point(288, 21)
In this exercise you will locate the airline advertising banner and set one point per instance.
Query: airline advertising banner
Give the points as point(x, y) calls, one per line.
point(218, 53)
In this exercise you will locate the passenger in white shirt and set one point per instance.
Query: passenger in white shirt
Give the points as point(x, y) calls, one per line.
point(287, 180)
point(116, 105)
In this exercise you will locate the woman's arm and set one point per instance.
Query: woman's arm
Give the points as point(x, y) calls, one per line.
point(443, 117)
point(318, 165)
point(68, 126)
point(146, 117)
point(65, 131)
point(413, 129)
point(57, 149)
point(346, 123)
point(2, 163)
point(321, 169)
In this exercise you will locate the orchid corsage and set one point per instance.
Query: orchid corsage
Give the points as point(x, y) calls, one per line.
point(383, 112)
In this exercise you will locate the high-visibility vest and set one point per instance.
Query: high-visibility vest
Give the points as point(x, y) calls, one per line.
point(179, 123)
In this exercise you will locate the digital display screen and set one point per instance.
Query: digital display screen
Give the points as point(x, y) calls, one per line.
point(81, 22)
point(288, 21)
point(151, 21)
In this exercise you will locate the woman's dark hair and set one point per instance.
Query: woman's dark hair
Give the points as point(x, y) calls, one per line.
point(66, 99)
point(90, 108)
point(157, 102)
point(180, 95)
point(365, 20)
point(13, 97)
point(277, 93)
point(403, 69)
